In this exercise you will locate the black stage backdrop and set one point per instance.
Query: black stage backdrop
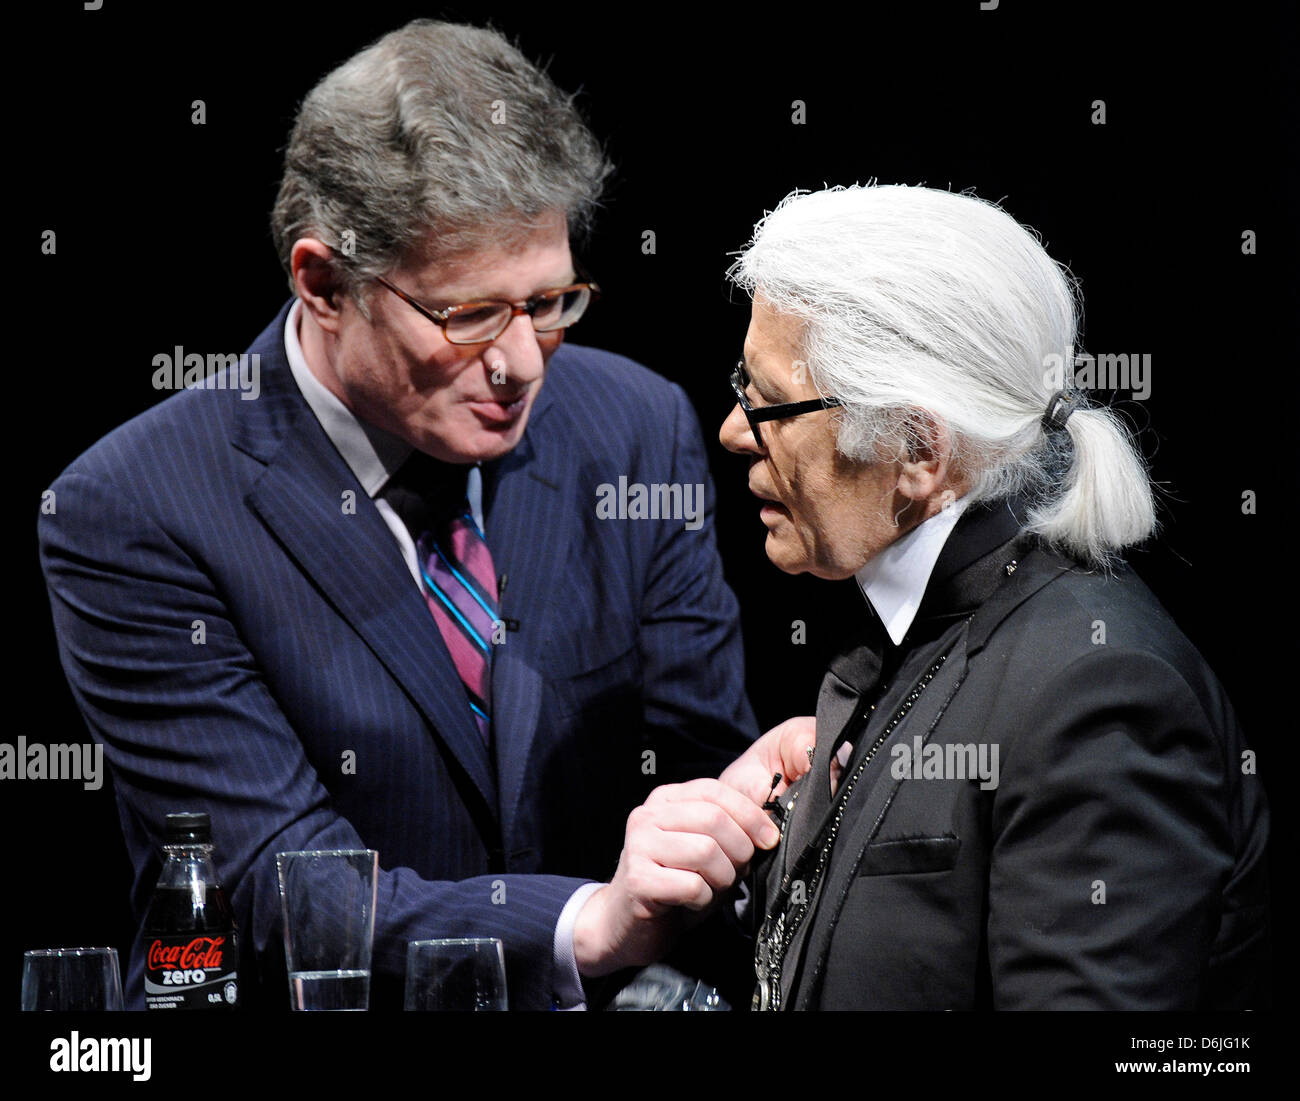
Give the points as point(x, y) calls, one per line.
point(162, 240)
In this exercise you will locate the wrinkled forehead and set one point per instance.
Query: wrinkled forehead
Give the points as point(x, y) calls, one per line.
point(773, 341)
point(513, 265)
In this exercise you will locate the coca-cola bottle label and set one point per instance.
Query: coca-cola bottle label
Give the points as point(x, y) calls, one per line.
point(191, 971)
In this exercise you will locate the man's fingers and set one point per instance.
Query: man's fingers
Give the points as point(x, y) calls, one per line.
point(686, 852)
point(747, 814)
point(682, 846)
point(694, 837)
point(707, 821)
point(656, 886)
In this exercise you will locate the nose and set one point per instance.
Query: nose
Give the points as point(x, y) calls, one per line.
point(736, 435)
point(517, 352)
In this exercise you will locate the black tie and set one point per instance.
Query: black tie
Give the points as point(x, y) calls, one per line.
point(426, 493)
point(851, 685)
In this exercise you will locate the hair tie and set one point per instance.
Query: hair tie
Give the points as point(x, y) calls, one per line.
point(1062, 404)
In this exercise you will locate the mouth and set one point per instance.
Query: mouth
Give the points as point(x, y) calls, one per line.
point(772, 508)
point(499, 412)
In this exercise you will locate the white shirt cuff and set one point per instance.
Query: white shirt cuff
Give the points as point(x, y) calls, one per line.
point(568, 983)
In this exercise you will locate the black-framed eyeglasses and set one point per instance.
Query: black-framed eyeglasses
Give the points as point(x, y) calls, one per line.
point(740, 380)
point(486, 319)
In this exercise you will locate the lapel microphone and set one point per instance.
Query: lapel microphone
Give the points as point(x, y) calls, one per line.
point(510, 624)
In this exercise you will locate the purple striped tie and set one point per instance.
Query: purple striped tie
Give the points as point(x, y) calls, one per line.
point(461, 589)
point(456, 571)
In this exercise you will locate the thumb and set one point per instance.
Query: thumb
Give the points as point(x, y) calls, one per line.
point(798, 735)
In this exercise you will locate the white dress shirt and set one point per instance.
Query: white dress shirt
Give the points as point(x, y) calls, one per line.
point(895, 580)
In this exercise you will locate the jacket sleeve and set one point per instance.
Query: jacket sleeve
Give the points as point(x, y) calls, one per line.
point(691, 647)
point(1110, 841)
point(165, 682)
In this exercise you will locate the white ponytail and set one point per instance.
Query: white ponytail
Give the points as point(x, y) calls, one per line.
point(1105, 501)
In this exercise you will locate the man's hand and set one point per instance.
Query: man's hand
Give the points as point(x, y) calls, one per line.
point(783, 749)
point(683, 846)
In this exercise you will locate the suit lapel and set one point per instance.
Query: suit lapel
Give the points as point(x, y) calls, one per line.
point(863, 825)
point(522, 499)
point(312, 503)
point(963, 576)
point(849, 683)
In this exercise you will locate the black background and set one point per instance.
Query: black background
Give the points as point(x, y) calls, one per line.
point(162, 240)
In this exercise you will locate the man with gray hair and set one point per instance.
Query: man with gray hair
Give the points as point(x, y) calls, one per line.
point(376, 607)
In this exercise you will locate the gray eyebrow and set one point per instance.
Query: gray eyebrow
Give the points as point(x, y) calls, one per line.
point(447, 302)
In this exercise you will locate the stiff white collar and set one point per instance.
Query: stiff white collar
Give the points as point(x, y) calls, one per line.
point(894, 581)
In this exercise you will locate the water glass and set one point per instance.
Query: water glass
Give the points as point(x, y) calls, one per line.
point(328, 901)
point(467, 974)
point(71, 980)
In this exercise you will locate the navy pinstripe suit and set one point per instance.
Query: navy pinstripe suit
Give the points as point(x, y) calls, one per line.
point(214, 514)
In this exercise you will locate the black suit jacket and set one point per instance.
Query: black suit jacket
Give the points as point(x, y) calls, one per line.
point(1119, 862)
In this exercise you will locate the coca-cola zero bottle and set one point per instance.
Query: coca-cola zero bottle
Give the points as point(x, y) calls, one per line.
point(192, 958)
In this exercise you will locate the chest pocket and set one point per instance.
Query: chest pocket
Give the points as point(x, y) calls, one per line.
point(910, 855)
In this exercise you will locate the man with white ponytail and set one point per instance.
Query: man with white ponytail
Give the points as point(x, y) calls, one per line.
point(1028, 789)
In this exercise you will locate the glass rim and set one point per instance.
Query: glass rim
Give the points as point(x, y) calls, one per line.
point(54, 953)
point(327, 852)
point(441, 941)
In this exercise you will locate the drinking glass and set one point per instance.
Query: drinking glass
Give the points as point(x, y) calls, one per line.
point(328, 901)
point(71, 980)
point(467, 974)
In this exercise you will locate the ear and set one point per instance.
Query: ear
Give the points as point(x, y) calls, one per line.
point(317, 281)
point(925, 472)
